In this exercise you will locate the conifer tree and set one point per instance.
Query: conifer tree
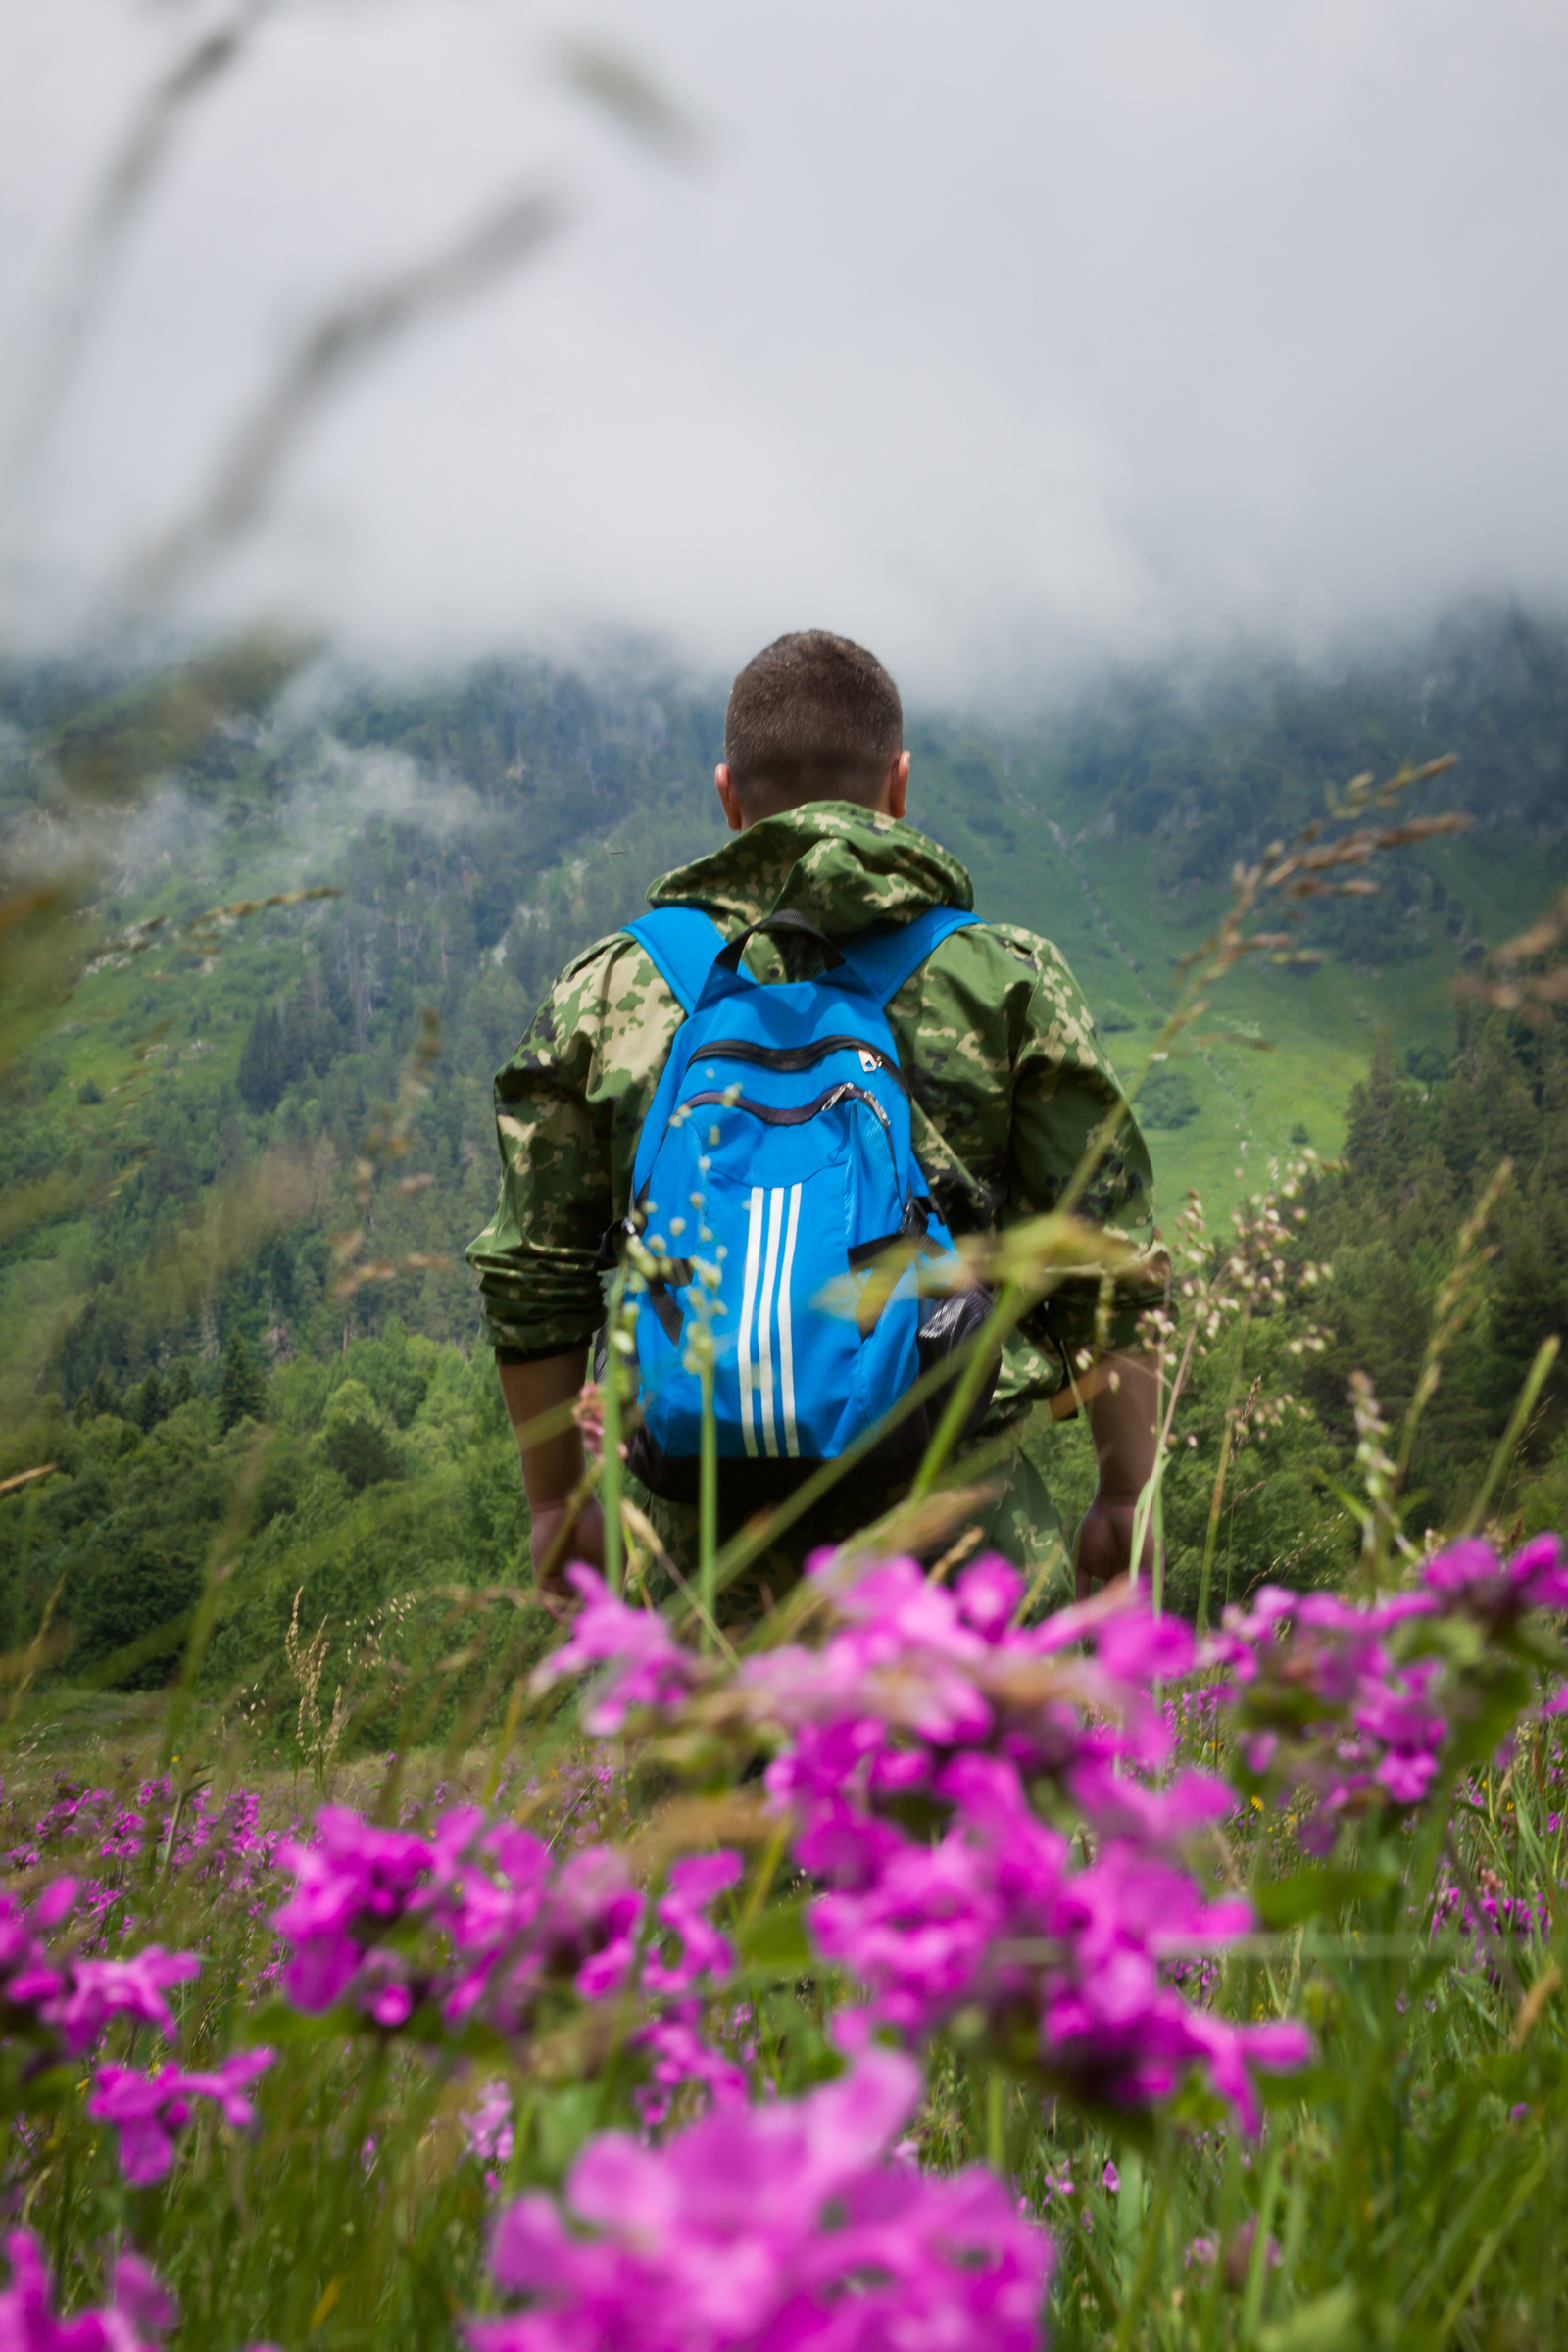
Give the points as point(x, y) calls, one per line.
point(262, 1075)
point(241, 1386)
point(152, 1403)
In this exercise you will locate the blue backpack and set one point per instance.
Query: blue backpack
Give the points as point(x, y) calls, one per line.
point(777, 1149)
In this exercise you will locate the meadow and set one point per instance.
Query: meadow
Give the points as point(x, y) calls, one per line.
point(931, 1963)
point(1169, 1990)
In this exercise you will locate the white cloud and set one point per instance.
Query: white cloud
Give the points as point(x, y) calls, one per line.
point(1000, 336)
point(352, 783)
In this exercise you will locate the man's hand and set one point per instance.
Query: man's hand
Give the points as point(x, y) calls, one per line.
point(551, 1542)
point(552, 1471)
point(1121, 1419)
point(1104, 1542)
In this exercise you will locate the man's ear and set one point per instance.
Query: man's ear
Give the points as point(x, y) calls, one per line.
point(730, 799)
point(895, 792)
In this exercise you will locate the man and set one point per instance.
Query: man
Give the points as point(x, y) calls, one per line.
point(1008, 1080)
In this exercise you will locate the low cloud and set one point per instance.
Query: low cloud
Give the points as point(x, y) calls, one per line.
point(349, 785)
point(1006, 339)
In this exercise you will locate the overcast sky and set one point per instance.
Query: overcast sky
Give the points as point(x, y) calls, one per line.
point(1004, 335)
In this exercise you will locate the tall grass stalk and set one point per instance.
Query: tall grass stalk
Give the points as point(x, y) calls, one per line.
point(1147, 1511)
point(1216, 1500)
point(1508, 1444)
point(609, 1488)
point(707, 1502)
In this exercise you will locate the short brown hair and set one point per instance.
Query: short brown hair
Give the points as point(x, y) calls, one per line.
point(811, 718)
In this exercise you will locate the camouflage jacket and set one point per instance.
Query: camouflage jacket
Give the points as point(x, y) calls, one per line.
point(1006, 1072)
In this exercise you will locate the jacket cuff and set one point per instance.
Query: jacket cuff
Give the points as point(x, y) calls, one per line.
point(506, 1353)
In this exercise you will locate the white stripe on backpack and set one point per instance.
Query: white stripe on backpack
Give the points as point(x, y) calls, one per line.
point(766, 1291)
point(753, 1252)
point(786, 1337)
point(764, 1320)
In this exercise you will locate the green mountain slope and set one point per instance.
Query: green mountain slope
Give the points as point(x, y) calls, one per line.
point(238, 1173)
point(481, 829)
point(1113, 829)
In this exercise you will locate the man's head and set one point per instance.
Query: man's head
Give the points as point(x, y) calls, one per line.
point(811, 718)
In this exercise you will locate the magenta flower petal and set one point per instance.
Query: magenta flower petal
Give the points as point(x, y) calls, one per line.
point(648, 1667)
point(1467, 1562)
point(525, 2252)
point(57, 1899)
point(989, 1591)
point(767, 2228)
point(135, 2291)
point(139, 2307)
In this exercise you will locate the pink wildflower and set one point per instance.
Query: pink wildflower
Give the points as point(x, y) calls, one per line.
point(96, 1990)
point(485, 1919)
point(694, 1883)
point(353, 1883)
point(1536, 1578)
point(488, 2125)
point(146, 2110)
point(986, 1908)
point(648, 1666)
point(682, 2060)
point(784, 2223)
point(138, 2307)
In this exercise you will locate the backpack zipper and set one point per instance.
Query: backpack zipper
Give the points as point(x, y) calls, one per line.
point(800, 1058)
point(773, 1116)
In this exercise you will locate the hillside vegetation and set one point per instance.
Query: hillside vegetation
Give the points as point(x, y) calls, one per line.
point(186, 1145)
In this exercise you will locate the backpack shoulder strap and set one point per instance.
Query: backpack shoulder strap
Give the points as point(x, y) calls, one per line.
point(888, 953)
point(682, 941)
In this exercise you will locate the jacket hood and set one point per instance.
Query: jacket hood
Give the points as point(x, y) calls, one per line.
point(839, 865)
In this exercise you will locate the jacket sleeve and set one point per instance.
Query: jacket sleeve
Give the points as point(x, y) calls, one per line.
point(566, 1118)
point(1064, 1089)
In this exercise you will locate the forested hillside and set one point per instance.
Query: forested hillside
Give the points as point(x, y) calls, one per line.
point(476, 837)
point(193, 1146)
point(1379, 1277)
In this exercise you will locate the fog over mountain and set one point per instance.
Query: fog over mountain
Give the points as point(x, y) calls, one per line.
point(1007, 338)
